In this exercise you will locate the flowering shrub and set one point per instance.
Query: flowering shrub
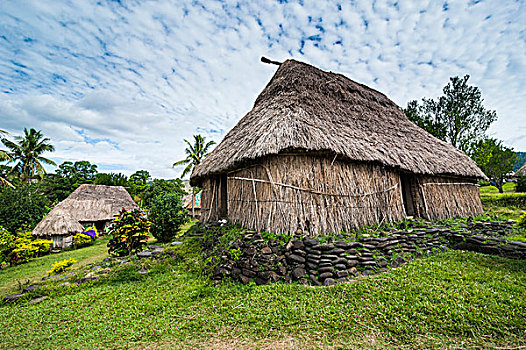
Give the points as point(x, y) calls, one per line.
point(82, 240)
point(129, 232)
point(91, 231)
point(21, 248)
point(61, 266)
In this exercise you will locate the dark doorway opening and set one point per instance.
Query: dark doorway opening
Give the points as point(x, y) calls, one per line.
point(406, 181)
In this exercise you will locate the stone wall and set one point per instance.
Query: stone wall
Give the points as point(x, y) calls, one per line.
point(325, 263)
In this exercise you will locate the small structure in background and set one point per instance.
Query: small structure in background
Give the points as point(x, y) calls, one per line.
point(187, 204)
point(521, 171)
point(88, 205)
point(320, 153)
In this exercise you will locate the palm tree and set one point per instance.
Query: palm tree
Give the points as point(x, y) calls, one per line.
point(195, 154)
point(4, 157)
point(27, 151)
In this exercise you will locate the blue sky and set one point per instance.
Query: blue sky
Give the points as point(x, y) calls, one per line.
point(122, 83)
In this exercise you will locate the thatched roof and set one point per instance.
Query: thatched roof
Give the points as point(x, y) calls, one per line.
point(88, 203)
point(306, 109)
point(521, 171)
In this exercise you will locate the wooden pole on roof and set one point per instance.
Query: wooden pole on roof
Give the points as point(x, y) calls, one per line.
point(269, 61)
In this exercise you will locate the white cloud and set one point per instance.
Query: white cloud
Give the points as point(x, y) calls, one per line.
point(138, 78)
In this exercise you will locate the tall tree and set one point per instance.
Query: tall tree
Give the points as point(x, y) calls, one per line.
point(495, 160)
point(458, 116)
point(195, 154)
point(27, 151)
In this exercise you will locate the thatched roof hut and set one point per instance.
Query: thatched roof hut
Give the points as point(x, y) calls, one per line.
point(88, 204)
point(325, 153)
point(521, 171)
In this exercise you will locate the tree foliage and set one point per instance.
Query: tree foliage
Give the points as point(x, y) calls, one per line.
point(161, 186)
point(56, 187)
point(494, 159)
point(21, 206)
point(166, 215)
point(457, 117)
point(27, 152)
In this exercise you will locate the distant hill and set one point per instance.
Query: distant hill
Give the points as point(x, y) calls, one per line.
point(521, 161)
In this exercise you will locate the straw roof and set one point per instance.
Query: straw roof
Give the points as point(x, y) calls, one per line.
point(521, 171)
point(88, 203)
point(306, 109)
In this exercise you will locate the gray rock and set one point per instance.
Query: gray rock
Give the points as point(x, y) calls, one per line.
point(176, 243)
point(297, 258)
point(341, 274)
point(314, 280)
point(143, 271)
point(30, 289)
point(158, 251)
point(144, 254)
point(248, 273)
point(64, 284)
point(13, 297)
point(326, 247)
point(367, 272)
point(329, 282)
point(86, 280)
point(340, 267)
point(37, 300)
point(330, 257)
point(322, 270)
point(352, 263)
point(297, 244)
point(310, 242)
point(325, 275)
point(298, 273)
point(340, 261)
point(266, 250)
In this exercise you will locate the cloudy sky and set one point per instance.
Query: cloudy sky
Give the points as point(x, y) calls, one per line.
point(122, 83)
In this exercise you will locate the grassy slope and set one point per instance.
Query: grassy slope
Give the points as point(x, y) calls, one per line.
point(36, 269)
point(458, 298)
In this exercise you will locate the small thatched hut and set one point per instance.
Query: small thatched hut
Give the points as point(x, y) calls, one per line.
point(88, 205)
point(322, 153)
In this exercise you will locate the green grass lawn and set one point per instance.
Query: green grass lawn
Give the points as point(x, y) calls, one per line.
point(454, 299)
point(12, 277)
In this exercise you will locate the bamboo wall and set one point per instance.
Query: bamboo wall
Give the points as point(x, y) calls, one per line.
point(322, 196)
point(444, 197)
point(314, 194)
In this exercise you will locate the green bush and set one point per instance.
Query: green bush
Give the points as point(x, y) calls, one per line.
point(521, 184)
point(166, 215)
point(61, 266)
point(129, 233)
point(82, 240)
point(7, 244)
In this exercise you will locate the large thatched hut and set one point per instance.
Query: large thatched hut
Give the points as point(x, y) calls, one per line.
point(322, 153)
point(88, 205)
